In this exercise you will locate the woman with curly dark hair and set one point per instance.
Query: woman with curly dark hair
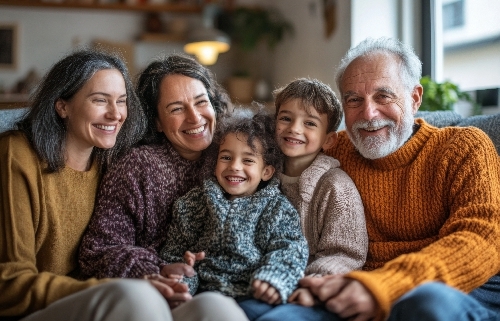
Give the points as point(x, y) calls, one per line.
point(182, 102)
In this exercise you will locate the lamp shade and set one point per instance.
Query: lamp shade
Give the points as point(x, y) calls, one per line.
point(206, 43)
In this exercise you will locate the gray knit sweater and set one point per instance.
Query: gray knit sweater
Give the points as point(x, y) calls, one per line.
point(332, 216)
point(248, 238)
point(133, 208)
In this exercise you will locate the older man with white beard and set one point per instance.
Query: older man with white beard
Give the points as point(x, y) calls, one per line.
point(431, 198)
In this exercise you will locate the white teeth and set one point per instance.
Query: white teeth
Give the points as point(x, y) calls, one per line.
point(294, 141)
point(103, 127)
point(196, 130)
point(235, 179)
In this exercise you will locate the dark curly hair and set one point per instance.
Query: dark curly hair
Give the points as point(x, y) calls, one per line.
point(259, 127)
point(46, 131)
point(312, 92)
point(148, 88)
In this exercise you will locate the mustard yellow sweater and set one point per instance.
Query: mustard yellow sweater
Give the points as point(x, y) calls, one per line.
point(432, 211)
point(42, 218)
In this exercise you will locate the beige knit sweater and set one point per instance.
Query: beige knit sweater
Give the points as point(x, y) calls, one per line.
point(42, 219)
point(331, 214)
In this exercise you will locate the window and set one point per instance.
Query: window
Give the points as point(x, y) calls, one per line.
point(453, 14)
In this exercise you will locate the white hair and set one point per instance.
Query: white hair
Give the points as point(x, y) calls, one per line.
point(410, 64)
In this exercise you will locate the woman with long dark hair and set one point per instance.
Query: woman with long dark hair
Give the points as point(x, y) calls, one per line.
point(83, 117)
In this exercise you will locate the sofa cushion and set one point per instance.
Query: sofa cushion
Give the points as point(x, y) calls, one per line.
point(8, 118)
point(490, 124)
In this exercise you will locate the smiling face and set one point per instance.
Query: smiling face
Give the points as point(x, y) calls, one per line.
point(95, 114)
point(301, 133)
point(239, 169)
point(185, 115)
point(378, 111)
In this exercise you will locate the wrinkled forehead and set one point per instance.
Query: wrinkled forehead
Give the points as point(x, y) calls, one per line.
point(374, 68)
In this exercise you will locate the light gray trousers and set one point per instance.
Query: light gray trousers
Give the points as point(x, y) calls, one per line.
point(137, 300)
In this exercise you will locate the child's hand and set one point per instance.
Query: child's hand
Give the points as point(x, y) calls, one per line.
point(190, 258)
point(177, 271)
point(265, 292)
point(302, 296)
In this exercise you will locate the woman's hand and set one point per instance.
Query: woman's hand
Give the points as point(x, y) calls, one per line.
point(265, 292)
point(177, 271)
point(302, 297)
point(174, 292)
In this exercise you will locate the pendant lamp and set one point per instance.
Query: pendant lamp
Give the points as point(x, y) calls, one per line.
point(207, 42)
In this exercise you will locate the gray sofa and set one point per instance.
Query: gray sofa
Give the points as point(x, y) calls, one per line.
point(8, 117)
point(490, 124)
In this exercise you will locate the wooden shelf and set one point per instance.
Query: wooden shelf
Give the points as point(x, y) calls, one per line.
point(170, 7)
point(162, 37)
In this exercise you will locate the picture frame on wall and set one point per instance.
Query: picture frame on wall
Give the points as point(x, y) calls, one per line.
point(8, 46)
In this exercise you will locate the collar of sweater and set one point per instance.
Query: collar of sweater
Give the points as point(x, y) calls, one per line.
point(310, 176)
point(406, 153)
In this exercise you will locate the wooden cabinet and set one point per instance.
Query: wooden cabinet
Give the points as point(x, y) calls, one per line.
point(177, 7)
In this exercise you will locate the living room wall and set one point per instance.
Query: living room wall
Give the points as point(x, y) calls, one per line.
point(45, 35)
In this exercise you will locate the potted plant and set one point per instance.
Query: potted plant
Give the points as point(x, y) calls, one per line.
point(444, 96)
point(248, 27)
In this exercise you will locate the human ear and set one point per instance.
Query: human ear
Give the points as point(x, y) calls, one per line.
point(267, 172)
point(330, 140)
point(61, 108)
point(416, 97)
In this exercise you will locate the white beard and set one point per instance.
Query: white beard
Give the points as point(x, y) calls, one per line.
point(379, 146)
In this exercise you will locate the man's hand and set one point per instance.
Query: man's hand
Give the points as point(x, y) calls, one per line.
point(302, 296)
point(346, 297)
point(174, 292)
point(265, 292)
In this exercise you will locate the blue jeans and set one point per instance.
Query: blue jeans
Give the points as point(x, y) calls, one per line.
point(257, 310)
point(436, 301)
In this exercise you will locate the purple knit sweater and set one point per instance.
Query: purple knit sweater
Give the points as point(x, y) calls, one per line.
point(133, 209)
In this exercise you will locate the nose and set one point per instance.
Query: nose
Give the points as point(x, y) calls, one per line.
point(114, 112)
point(192, 114)
point(235, 164)
point(369, 110)
point(296, 127)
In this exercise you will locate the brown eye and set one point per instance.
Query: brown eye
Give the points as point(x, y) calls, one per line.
point(353, 102)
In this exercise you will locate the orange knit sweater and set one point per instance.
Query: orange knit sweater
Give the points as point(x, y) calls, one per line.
point(432, 211)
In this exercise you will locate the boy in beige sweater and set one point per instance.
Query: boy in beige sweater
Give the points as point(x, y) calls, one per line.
point(331, 211)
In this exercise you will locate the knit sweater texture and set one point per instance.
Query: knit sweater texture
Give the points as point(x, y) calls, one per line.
point(432, 211)
point(42, 219)
point(133, 209)
point(331, 216)
point(255, 237)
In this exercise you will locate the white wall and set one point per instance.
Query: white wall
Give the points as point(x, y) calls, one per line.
point(47, 34)
point(480, 72)
point(481, 21)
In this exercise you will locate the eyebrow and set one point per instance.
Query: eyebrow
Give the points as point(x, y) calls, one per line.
point(104, 94)
point(180, 102)
point(309, 115)
point(245, 153)
point(386, 90)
